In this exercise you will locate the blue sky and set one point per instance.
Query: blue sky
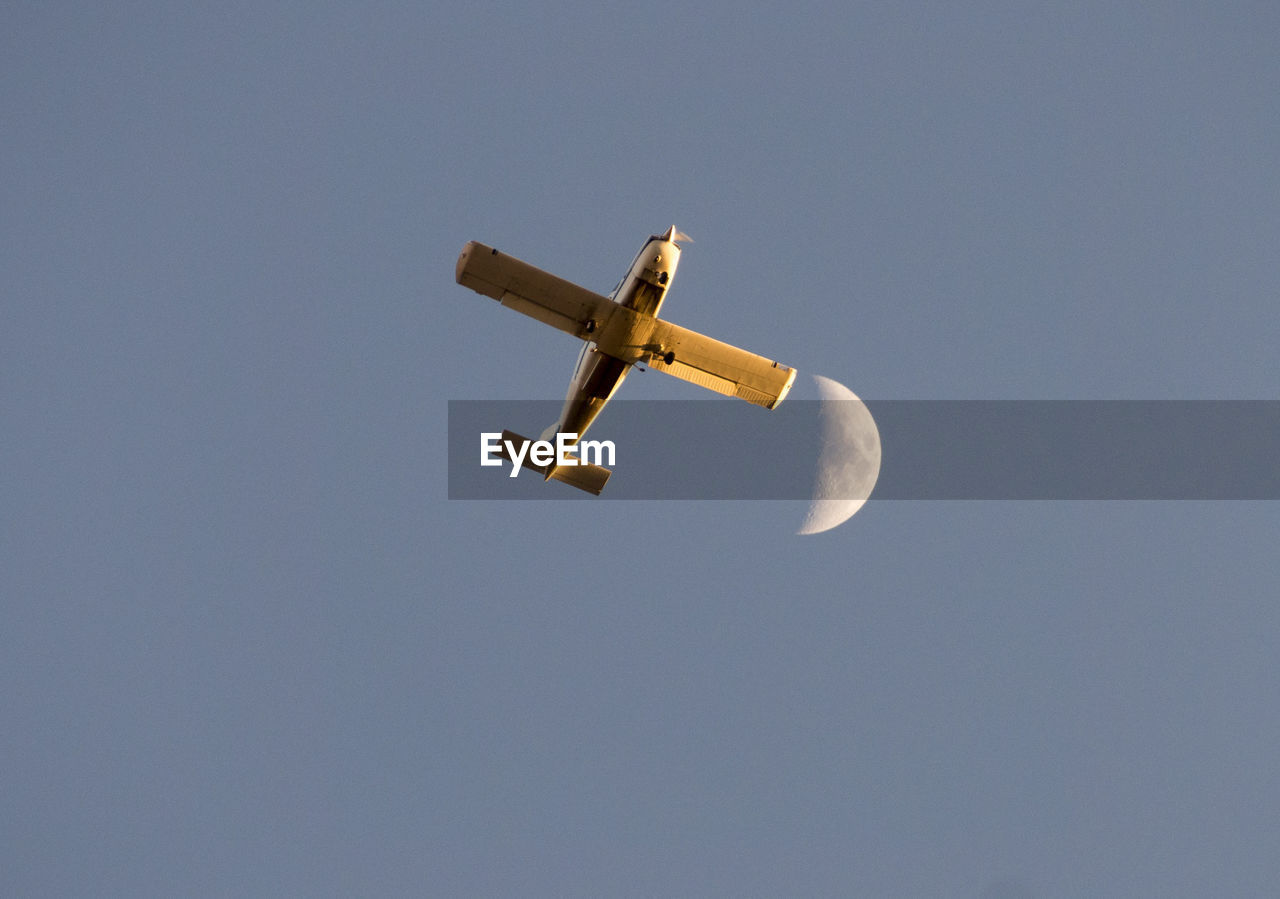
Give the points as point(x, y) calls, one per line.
point(250, 646)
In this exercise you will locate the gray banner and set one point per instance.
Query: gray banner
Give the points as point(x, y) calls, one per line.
point(931, 449)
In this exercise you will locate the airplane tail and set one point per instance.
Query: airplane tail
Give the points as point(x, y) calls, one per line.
point(590, 478)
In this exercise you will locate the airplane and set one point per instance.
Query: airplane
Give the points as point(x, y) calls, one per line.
point(619, 331)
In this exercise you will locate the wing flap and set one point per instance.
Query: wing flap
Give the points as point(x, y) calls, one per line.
point(538, 294)
point(698, 376)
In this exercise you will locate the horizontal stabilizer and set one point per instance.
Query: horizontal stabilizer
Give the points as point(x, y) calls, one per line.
point(590, 478)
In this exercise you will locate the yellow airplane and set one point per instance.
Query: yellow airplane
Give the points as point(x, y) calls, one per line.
point(618, 331)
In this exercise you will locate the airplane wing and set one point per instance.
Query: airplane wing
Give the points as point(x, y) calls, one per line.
point(705, 361)
point(719, 366)
point(538, 294)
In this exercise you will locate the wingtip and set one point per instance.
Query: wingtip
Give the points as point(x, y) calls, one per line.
point(786, 388)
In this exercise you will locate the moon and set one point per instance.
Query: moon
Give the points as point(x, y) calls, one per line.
point(849, 461)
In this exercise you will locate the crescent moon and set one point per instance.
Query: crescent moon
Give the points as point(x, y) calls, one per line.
point(849, 462)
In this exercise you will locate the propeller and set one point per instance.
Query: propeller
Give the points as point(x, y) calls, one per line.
point(676, 236)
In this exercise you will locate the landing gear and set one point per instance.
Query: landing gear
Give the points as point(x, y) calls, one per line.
point(668, 357)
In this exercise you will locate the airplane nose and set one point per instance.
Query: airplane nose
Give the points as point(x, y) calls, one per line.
point(676, 236)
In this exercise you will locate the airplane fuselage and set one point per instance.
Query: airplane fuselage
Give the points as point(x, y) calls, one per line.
point(597, 375)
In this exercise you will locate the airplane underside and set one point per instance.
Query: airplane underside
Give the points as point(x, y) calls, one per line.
point(620, 330)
